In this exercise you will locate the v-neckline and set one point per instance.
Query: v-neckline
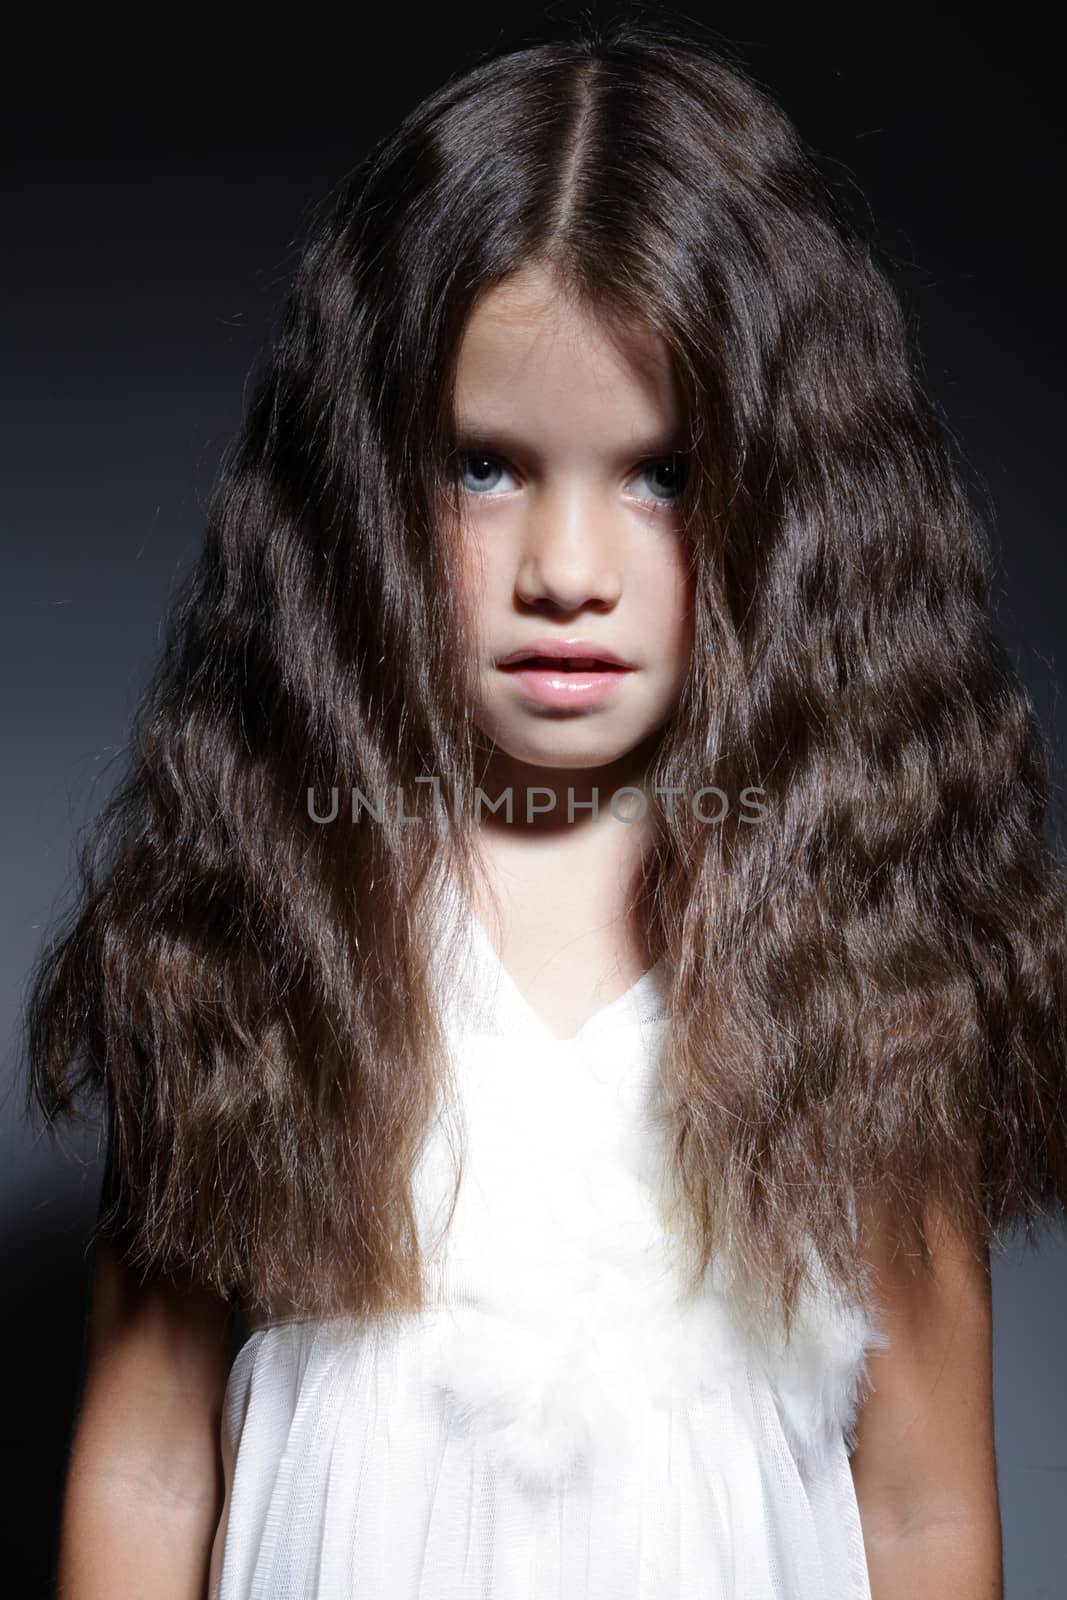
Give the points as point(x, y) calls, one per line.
point(641, 1002)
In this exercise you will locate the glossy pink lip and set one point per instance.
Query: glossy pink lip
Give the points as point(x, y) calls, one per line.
point(560, 686)
point(552, 647)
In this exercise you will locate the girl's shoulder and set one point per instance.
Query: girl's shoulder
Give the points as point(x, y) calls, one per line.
point(255, 1315)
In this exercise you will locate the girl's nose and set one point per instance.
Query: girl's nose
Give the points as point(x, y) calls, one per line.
point(571, 551)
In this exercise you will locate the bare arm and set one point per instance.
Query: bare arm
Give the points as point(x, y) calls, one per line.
point(143, 1492)
point(924, 1466)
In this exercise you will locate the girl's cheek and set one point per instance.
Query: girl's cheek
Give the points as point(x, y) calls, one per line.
point(473, 580)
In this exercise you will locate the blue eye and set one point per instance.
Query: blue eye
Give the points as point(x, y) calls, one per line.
point(672, 468)
point(486, 473)
point(479, 473)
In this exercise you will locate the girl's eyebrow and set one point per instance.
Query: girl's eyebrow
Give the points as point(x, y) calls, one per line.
point(473, 436)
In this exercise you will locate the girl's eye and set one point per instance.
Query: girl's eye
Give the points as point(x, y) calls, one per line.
point(480, 474)
point(668, 476)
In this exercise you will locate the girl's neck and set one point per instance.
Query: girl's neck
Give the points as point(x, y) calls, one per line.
point(557, 880)
point(556, 905)
point(543, 798)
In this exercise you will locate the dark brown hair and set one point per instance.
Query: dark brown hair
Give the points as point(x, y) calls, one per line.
point(868, 988)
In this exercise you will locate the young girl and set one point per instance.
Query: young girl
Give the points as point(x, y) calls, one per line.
point(574, 962)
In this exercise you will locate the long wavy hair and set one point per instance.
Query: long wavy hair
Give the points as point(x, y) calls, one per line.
point(867, 989)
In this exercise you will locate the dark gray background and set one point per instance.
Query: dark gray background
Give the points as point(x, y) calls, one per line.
point(155, 194)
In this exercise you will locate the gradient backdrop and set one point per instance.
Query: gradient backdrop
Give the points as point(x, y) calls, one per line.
point(155, 194)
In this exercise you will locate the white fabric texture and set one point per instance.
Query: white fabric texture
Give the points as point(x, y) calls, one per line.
point(559, 1423)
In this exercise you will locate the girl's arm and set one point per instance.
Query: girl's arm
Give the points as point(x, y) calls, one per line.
point(924, 1465)
point(144, 1493)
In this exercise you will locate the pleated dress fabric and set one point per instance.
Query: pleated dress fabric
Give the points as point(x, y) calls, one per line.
point(560, 1423)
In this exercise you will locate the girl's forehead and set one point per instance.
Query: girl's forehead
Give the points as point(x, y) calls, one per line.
point(526, 352)
point(533, 304)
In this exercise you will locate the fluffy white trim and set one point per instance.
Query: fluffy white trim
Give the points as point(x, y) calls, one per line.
point(565, 1314)
point(549, 1370)
point(820, 1376)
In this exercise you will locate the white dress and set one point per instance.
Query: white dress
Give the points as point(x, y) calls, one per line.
point(558, 1425)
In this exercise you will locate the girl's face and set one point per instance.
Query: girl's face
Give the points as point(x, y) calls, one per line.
point(571, 531)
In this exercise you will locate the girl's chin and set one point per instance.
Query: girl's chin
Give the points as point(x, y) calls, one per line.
point(564, 750)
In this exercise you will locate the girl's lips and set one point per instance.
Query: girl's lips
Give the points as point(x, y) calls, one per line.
point(559, 686)
point(554, 650)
